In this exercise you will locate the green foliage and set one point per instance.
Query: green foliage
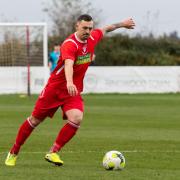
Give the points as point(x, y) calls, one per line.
point(116, 50)
point(121, 50)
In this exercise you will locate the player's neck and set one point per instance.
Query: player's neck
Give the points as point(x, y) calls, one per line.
point(79, 39)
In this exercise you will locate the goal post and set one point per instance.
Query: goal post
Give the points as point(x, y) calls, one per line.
point(23, 57)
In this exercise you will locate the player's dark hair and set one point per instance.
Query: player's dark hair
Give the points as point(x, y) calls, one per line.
point(85, 17)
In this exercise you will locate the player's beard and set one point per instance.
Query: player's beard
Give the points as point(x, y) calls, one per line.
point(85, 36)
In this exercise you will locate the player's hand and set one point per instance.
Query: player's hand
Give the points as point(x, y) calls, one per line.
point(128, 23)
point(72, 90)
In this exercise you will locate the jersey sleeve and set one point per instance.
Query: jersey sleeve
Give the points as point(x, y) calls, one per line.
point(68, 50)
point(96, 35)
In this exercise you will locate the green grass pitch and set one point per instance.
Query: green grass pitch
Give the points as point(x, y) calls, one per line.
point(144, 127)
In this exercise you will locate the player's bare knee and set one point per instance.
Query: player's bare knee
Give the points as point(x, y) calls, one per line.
point(77, 118)
point(34, 121)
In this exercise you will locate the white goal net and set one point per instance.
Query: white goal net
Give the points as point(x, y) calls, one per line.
point(23, 57)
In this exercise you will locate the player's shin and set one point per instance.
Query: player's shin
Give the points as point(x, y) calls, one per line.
point(65, 134)
point(24, 132)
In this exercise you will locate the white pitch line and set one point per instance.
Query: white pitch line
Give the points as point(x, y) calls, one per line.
point(125, 151)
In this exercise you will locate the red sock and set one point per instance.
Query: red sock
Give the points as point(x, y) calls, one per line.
point(23, 133)
point(65, 134)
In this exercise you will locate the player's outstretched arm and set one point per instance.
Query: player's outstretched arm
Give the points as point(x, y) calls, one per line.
point(127, 23)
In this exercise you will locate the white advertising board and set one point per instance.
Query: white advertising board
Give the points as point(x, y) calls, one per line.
point(130, 79)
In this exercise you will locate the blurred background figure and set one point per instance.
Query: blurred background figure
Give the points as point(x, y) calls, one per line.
point(53, 57)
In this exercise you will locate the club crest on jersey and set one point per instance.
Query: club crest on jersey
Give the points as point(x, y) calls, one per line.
point(84, 49)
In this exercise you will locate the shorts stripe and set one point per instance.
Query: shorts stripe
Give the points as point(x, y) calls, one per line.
point(59, 70)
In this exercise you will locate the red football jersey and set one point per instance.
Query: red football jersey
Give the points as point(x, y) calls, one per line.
point(81, 53)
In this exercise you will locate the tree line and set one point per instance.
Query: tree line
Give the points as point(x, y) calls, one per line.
point(117, 49)
point(122, 50)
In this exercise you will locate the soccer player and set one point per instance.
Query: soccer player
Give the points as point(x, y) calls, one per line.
point(64, 87)
point(53, 57)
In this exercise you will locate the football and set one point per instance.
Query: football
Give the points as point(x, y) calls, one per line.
point(114, 160)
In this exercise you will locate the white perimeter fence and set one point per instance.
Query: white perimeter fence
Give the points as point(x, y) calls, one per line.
point(130, 79)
